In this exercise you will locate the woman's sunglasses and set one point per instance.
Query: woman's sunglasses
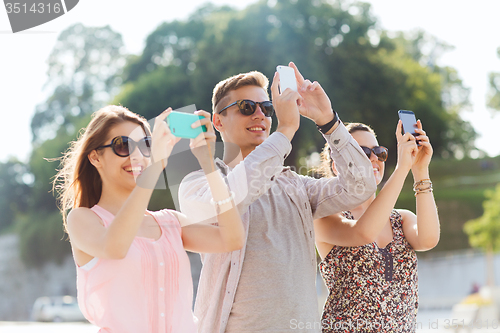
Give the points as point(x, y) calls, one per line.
point(123, 146)
point(379, 151)
point(248, 107)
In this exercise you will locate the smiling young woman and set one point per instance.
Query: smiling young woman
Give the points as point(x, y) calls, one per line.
point(133, 274)
point(368, 254)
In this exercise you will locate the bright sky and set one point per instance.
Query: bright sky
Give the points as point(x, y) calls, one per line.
point(472, 27)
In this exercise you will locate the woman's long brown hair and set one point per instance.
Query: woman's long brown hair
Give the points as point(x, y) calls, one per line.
point(78, 182)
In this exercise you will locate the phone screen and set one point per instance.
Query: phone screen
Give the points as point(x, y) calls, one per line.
point(287, 78)
point(180, 125)
point(409, 121)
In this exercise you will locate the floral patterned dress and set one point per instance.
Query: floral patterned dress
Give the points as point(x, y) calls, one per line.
point(371, 289)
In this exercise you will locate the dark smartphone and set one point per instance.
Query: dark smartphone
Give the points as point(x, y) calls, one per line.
point(180, 124)
point(409, 122)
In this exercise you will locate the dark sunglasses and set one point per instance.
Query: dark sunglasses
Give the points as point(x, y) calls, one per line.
point(379, 151)
point(248, 107)
point(123, 146)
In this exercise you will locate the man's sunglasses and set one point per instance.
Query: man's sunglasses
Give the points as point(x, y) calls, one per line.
point(379, 151)
point(123, 146)
point(248, 107)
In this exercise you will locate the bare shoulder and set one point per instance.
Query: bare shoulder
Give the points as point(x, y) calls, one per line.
point(82, 215)
point(334, 218)
point(183, 220)
point(406, 215)
point(80, 212)
point(333, 221)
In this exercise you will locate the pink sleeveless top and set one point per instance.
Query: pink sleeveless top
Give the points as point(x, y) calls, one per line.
point(150, 290)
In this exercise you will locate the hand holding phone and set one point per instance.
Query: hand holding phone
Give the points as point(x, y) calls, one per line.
point(409, 122)
point(180, 124)
point(287, 78)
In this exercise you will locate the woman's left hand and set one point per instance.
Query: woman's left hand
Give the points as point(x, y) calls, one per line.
point(163, 141)
point(425, 151)
point(407, 148)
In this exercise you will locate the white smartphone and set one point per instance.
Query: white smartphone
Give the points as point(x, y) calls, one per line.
point(287, 78)
point(409, 122)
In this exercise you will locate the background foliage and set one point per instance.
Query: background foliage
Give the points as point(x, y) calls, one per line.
point(484, 231)
point(494, 95)
point(368, 73)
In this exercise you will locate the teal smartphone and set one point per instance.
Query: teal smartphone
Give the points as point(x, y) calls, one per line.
point(180, 125)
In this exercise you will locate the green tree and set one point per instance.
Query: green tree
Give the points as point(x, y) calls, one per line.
point(43, 166)
point(42, 238)
point(484, 232)
point(367, 74)
point(85, 69)
point(40, 227)
point(84, 73)
point(14, 190)
point(494, 94)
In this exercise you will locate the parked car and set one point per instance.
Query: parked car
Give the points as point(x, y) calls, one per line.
point(56, 308)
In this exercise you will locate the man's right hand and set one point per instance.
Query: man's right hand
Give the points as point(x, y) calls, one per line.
point(286, 106)
point(203, 146)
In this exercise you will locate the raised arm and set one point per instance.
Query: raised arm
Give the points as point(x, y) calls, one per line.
point(354, 184)
point(338, 231)
point(248, 180)
point(422, 230)
point(229, 234)
point(84, 227)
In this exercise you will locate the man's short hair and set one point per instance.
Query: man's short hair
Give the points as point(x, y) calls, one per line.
point(223, 88)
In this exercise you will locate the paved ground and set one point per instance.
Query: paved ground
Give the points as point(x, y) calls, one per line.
point(427, 322)
point(23, 327)
point(30, 327)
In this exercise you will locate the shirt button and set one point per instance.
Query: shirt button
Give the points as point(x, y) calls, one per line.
point(161, 289)
point(161, 264)
point(162, 314)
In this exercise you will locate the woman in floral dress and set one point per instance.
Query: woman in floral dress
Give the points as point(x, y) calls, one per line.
point(368, 254)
